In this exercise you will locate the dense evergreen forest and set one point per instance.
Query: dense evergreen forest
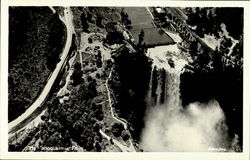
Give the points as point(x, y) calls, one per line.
point(130, 85)
point(208, 20)
point(36, 39)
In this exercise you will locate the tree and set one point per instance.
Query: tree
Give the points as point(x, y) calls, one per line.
point(92, 89)
point(85, 24)
point(99, 20)
point(96, 127)
point(217, 61)
point(125, 19)
point(52, 61)
point(78, 126)
point(115, 37)
point(99, 63)
point(99, 113)
point(54, 140)
point(123, 14)
point(98, 147)
point(77, 75)
point(89, 17)
point(98, 76)
point(141, 37)
point(66, 140)
point(117, 129)
point(125, 135)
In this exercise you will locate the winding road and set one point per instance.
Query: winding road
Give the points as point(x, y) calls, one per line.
point(28, 115)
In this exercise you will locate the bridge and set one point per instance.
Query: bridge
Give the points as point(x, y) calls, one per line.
point(177, 23)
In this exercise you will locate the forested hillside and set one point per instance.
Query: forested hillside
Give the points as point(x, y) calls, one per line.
point(36, 39)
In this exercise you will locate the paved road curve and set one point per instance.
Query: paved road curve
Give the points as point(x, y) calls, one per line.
point(26, 117)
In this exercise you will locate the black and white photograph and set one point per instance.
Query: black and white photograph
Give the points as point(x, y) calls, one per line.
point(125, 79)
point(111, 79)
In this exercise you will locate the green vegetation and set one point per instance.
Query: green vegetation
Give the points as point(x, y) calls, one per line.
point(36, 38)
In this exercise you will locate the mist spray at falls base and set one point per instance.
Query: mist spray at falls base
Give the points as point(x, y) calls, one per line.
point(199, 127)
point(171, 127)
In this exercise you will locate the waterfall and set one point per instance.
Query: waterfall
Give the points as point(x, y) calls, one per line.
point(168, 125)
point(164, 85)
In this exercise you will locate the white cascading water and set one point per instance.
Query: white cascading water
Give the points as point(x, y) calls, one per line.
point(169, 126)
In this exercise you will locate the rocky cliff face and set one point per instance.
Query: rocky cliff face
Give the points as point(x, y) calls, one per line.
point(129, 86)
